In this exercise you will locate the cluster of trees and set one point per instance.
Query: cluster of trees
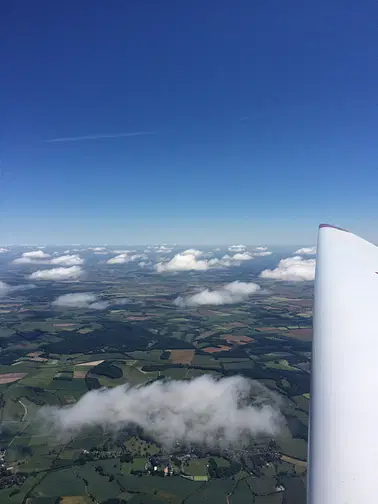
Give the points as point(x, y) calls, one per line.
point(8, 479)
point(92, 383)
point(223, 472)
point(108, 369)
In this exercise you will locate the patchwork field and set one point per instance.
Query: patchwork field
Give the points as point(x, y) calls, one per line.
point(11, 377)
point(182, 356)
point(238, 340)
point(300, 334)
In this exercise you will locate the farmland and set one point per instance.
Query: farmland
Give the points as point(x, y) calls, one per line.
point(54, 359)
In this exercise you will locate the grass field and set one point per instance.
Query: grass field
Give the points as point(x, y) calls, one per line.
point(196, 468)
point(41, 379)
point(134, 376)
point(280, 364)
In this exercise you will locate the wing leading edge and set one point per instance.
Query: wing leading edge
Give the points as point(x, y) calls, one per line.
point(343, 436)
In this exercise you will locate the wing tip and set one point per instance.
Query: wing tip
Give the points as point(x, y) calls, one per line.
point(333, 227)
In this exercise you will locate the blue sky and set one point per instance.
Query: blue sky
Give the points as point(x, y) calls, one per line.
point(261, 119)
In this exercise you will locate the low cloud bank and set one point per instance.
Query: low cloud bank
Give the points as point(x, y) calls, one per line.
point(234, 292)
point(205, 411)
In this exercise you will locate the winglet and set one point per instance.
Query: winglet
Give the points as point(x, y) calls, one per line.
point(334, 227)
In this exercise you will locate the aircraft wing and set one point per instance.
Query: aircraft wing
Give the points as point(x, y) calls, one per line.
point(343, 433)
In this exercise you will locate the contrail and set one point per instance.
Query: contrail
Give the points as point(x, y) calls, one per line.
point(99, 136)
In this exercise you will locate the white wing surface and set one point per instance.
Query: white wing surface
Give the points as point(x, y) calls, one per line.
point(343, 437)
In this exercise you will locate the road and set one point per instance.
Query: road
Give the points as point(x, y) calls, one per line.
point(25, 410)
point(295, 461)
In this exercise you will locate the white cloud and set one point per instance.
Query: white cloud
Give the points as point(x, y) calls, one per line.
point(39, 257)
point(236, 248)
point(138, 257)
point(214, 413)
point(119, 259)
point(67, 260)
point(183, 262)
point(126, 258)
point(261, 249)
point(242, 256)
point(234, 292)
point(162, 249)
point(36, 254)
point(3, 250)
point(292, 269)
point(72, 273)
point(306, 251)
point(262, 254)
point(188, 261)
point(80, 300)
point(32, 257)
point(192, 252)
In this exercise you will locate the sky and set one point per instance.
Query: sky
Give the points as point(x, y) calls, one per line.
point(206, 122)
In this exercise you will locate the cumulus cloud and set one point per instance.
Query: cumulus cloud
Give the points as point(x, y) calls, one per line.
point(119, 259)
point(161, 249)
point(242, 256)
point(192, 252)
point(72, 273)
point(204, 411)
point(306, 251)
point(234, 292)
point(32, 257)
point(292, 269)
point(262, 254)
point(184, 261)
point(87, 300)
point(261, 249)
point(36, 254)
point(3, 250)
point(125, 258)
point(67, 260)
point(237, 248)
point(80, 300)
point(139, 257)
point(39, 257)
point(188, 260)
